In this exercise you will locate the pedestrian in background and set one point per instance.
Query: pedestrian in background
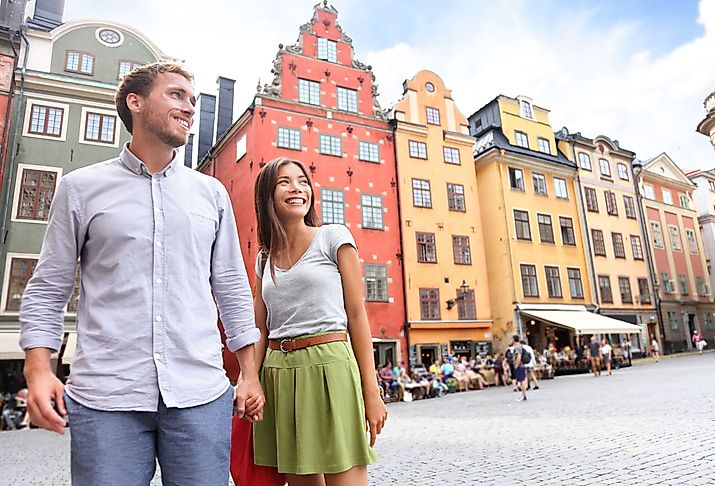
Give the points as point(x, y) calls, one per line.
point(159, 251)
point(519, 370)
point(595, 351)
point(607, 355)
point(655, 349)
point(529, 366)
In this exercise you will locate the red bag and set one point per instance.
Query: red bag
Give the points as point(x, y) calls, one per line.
point(243, 470)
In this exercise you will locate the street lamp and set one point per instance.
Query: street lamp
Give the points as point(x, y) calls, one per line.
point(461, 295)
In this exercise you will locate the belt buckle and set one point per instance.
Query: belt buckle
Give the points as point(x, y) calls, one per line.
point(281, 345)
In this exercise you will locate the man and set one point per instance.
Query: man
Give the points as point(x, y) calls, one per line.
point(529, 365)
point(698, 341)
point(157, 242)
point(519, 375)
point(595, 349)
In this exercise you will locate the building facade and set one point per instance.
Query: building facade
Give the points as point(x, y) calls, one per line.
point(65, 118)
point(446, 284)
point(535, 252)
point(617, 256)
point(321, 108)
point(680, 267)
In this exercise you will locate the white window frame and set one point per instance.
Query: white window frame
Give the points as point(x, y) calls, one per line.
point(605, 164)
point(544, 145)
point(558, 185)
point(536, 180)
point(683, 200)
point(373, 210)
point(18, 184)
point(291, 131)
point(330, 48)
point(333, 204)
point(330, 145)
point(676, 242)
point(584, 161)
point(649, 191)
point(6, 280)
point(451, 155)
point(312, 89)
point(369, 151)
point(622, 171)
point(657, 232)
point(51, 104)
point(346, 97)
point(669, 198)
point(241, 147)
point(692, 241)
point(99, 111)
point(517, 135)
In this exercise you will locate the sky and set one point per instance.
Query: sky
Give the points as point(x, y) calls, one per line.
point(636, 71)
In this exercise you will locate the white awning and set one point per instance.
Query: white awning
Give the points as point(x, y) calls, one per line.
point(70, 348)
point(10, 346)
point(583, 322)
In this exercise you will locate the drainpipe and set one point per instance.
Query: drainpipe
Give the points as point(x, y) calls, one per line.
point(8, 110)
point(651, 264)
point(11, 162)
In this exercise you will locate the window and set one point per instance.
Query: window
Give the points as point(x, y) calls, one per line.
point(371, 211)
point(683, 201)
point(636, 247)
point(466, 306)
point(46, 120)
point(584, 161)
point(611, 206)
point(525, 107)
point(516, 179)
point(99, 128)
point(623, 171)
point(20, 272)
point(567, 234)
point(560, 188)
point(553, 282)
point(644, 290)
point(522, 139)
point(451, 155)
point(418, 150)
point(668, 287)
point(692, 242)
point(649, 192)
point(599, 246)
point(708, 320)
point(327, 49)
point(604, 285)
point(528, 281)
point(546, 230)
point(37, 188)
point(369, 152)
point(591, 199)
point(700, 285)
point(421, 195)
point(630, 206)
point(539, 183)
point(712, 185)
point(126, 67)
point(289, 138)
point(331, 145)
point(605, 167)
point(455, 197)
point(544, 145)
point(429, 304)
point(667, 196)
point(575, 284)
point(521, 222)
point(673, 320)
point(332, 206)
point(308, 92)
point(433, 116)
point(347, 99)
point(619, 250)
point(683, 285)
point(460, 247)
point(675, 242)
point(426, 248)
point(376, 283)
point(79, 62)
point(624, 284)
point(657, 234)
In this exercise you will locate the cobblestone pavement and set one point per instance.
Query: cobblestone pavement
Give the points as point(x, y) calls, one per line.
point(649, 424)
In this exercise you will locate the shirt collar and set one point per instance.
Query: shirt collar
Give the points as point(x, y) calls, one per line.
point(133, 163)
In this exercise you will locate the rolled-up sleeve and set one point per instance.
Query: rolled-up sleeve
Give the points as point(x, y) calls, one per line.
point(229, 281)
point(49, 289)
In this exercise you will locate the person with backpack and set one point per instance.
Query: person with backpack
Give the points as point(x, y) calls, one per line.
point(529, 360)
point(519, 375)
point(509, 357)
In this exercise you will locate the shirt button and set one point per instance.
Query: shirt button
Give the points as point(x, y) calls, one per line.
point(157, 318)
point(158, 280)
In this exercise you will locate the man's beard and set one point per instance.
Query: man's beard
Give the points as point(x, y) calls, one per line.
point(163, 131)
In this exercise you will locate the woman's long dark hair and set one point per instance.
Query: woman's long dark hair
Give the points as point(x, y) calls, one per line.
point(271, 234)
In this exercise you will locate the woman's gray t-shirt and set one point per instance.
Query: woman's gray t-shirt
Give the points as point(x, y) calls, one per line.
point(308, 297)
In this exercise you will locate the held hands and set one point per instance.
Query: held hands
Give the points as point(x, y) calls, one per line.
point(375, 415)
point(44, 386)
point(249, 399)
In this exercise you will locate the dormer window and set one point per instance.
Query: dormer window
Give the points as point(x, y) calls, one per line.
point(526, 111)
point(327, 49)
point(79, 62)
point(126, 67)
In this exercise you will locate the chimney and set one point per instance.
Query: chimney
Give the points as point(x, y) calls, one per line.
point(48, 14)
point(12, 14)
point(224, 114)
point(207, 109)
point(189, 152)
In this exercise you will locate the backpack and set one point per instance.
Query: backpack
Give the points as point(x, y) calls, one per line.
point(526, 356)
point(509, 355)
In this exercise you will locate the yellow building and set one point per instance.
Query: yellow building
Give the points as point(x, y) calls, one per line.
point(535, 253)
point(446, 290)
point(617, 249)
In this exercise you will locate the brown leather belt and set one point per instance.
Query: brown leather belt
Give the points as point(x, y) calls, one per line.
point(287, 345)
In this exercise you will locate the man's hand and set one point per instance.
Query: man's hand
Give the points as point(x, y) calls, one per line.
point(375, 415)
point(249, 399)
point(44, 386)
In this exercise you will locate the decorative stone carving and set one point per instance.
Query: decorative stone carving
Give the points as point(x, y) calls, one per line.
point(274, 89)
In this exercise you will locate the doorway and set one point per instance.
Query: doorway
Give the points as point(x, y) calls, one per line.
point(428, 354)
point(691, 326)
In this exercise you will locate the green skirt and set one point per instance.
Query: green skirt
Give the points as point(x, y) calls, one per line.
point(314, 417)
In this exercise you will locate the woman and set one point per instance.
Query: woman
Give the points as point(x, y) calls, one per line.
point(320, 389)
point(607, 352)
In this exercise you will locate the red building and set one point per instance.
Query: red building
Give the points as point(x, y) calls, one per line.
point(321, 109)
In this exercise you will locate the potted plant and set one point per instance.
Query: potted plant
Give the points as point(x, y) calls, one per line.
point(451, 384)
